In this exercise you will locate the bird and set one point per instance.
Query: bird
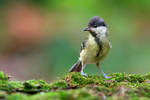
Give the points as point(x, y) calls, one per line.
point(95, 48)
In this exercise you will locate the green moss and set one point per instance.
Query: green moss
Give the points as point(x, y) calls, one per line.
point(16, 96)
point(3, 94)
point(74, 86)
point(58, 95)
point(76, 80)
point(35, 86)
point(61, 84)
point(3, 76)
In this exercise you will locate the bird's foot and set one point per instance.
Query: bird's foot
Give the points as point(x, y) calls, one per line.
point(84, 74)
point(107, 77)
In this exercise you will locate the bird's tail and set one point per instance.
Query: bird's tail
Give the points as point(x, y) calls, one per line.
point(77, 67)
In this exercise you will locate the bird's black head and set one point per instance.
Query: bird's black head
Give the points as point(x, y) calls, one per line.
point(96, 21)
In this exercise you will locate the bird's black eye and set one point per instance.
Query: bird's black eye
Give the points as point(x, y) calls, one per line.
point(95, 26)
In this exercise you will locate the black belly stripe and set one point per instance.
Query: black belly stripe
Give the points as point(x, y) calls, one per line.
point(99, 45)
point(98, 41)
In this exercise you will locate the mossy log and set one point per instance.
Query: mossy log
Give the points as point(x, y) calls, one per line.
point(73, 86)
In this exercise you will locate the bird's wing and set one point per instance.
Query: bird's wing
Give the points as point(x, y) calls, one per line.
point(110, 45)
point(83, 45)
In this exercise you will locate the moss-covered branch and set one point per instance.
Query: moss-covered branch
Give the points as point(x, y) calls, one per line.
point(73, 86)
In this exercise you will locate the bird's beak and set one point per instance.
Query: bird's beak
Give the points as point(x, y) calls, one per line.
point(86, 29)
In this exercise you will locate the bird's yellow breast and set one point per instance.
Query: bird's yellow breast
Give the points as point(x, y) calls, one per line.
point(88, 54)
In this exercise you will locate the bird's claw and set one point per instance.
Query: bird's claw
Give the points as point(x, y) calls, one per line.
point(107, 77)
point(84, 74)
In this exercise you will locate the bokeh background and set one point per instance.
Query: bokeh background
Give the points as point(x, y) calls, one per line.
point(40, 39)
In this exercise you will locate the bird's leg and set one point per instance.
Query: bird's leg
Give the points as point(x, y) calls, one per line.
point(82, 73)
point(105, 76)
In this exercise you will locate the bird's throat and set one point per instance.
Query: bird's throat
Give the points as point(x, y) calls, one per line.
point(98, 42)
point(93, 34)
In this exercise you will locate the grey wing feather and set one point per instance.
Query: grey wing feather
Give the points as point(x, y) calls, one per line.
point(83, 45)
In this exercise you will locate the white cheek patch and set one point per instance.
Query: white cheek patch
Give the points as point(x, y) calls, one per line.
point(100, 30)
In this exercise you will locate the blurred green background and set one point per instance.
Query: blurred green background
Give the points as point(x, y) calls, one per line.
point(41, 39)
